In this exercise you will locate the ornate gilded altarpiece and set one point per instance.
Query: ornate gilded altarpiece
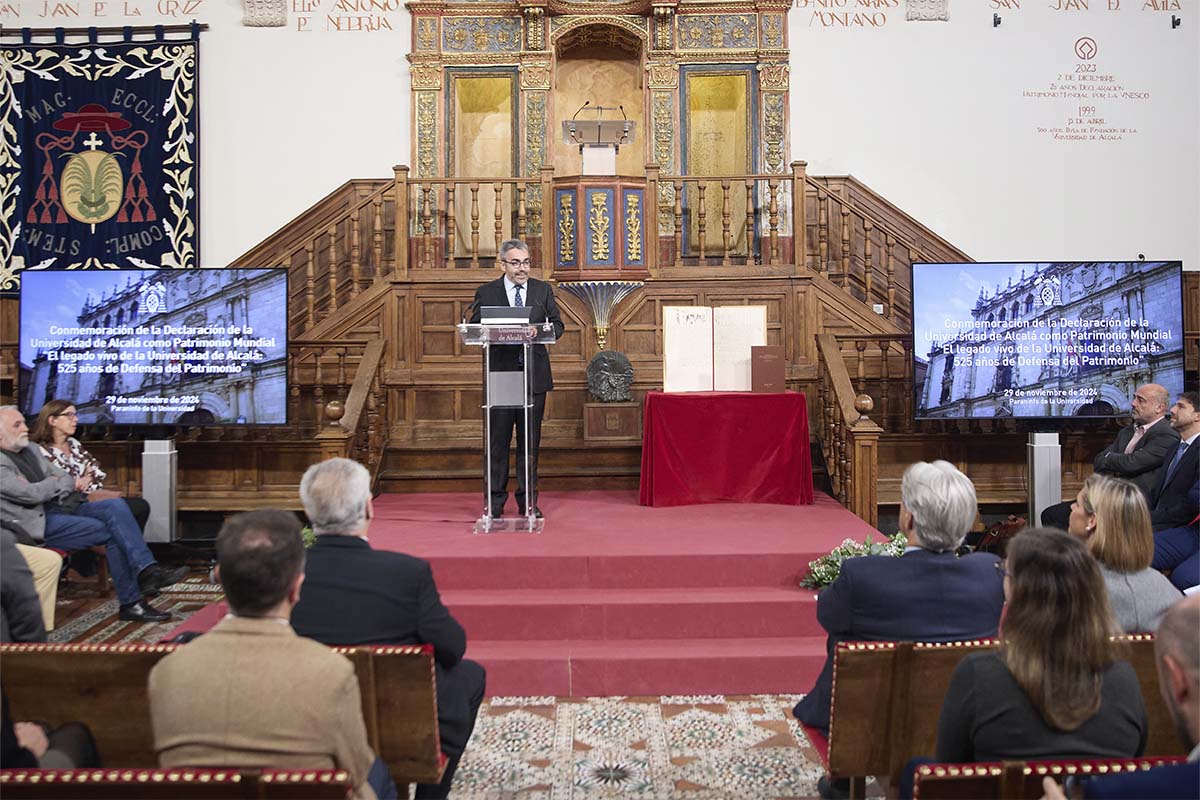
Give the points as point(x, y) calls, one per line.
point(706, 85)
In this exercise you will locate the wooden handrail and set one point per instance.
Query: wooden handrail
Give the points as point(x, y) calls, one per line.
point(356, 399)
point(849, 438)
point(843, 389)
point(877, 223)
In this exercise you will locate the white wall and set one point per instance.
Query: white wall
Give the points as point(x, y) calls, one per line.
point(930, 114)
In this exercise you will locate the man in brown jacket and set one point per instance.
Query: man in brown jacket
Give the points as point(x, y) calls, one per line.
point(252, 693)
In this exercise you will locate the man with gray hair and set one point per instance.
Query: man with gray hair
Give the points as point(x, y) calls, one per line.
point(928, 594)
point(355, 595)
point(1138, 452)
point(49, 507)
point(515, 288)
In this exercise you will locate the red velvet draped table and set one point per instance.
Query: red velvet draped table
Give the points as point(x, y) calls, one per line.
point(735, 447)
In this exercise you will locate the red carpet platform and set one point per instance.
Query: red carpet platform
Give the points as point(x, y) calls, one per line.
point(614, 598)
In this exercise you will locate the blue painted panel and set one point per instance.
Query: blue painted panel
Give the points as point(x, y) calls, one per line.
point(633, 224)
point(602, 213)
point(564, 211)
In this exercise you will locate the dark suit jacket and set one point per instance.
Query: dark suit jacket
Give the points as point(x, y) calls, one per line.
point(540, 298)
point(1145, 464)
point(921, 596)
point(353, 595)
point(1172, 505)
point(1174, 781)
point(20, 610)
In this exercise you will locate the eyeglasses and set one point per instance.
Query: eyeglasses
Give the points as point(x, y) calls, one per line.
point(71, 414)
point(524, 262)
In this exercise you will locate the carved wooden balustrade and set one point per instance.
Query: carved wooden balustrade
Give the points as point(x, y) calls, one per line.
point(849, 438)
point(435, 223)
point(336, 397)
point(370, 231)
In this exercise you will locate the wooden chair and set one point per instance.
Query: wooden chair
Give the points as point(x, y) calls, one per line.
point(183, 783)
point(1016, 780)
point(106, 687)
point(887, 699)
point(103, 585)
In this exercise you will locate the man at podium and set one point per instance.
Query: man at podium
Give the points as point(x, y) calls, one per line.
point(515, 288)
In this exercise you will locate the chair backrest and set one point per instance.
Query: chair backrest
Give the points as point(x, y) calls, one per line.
point(1162, 736)
point(183, 783)
point(887, 699)
point(399, 689)
point(1016, 780)
point(106, 687)
point(860, 716)
point(101, 685)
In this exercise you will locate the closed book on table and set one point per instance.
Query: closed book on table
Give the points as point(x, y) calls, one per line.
point(767, 373)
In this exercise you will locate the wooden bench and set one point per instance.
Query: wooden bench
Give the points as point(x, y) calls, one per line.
point(186, 783)
point(1016, 780)
point(105, 686)
point(887, 699)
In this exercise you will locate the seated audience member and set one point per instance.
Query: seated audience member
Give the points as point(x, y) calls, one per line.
point(1178, 550)
point(45, 567)
point(50, 507)
point(31, 745)
point(250, 692)
point(21, 618)
point(355, 595)
point(1138, 452)
point(927, 594)
point(54, 433)
point(1111, 517)
point(1173, 504)
point(1056, 688)
point(1177, 651)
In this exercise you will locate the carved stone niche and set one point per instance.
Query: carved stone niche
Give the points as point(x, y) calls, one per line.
point(613, 423)
point(265, 13)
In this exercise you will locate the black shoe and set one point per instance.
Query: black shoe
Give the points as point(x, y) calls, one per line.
point(497, 512)
point(154, 577)
point(833, 789)
point(141, 611)
point(537, 512)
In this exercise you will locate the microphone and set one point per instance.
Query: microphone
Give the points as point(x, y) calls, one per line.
point(586, 103)
point(470, 311)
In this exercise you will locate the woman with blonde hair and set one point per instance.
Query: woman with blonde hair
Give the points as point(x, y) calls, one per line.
point(1056, 688)
point(54, 434)
point(1110, 515)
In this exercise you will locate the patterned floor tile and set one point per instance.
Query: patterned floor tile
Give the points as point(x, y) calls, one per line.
point(669, 748)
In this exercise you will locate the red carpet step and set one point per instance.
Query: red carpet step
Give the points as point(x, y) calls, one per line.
point(614, 598)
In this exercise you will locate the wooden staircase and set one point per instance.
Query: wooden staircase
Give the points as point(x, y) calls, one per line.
point(376, 371)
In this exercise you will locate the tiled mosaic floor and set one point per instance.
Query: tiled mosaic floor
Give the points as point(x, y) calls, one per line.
point(85, 618)
point(694, 748)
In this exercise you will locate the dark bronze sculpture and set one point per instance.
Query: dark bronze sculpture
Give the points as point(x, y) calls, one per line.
point(610, 376)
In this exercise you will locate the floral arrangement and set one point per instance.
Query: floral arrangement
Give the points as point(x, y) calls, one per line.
point(825, 569)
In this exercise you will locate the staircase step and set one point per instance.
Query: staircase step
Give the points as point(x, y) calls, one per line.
point(630, 570)
point(637, 667)
point(583, 614)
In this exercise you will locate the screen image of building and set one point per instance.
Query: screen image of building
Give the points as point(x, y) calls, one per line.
point(205, 346)
point(1052, 339)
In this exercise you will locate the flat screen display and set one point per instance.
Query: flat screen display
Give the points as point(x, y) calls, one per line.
point(1044, 339)
point(156, 347)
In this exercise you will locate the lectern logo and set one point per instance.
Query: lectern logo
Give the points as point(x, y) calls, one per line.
point(1085, 48)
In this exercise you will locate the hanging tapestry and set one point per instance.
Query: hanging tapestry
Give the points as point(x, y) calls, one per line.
point(99, 147)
